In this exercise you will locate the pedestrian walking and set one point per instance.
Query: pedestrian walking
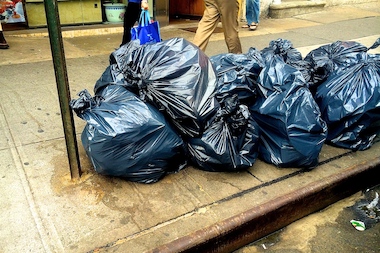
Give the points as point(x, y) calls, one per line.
point(3, 42)
point(252, 14)
point(225, 11)
point(132, 14)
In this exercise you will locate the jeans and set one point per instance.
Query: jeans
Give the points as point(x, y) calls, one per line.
point(252, 11)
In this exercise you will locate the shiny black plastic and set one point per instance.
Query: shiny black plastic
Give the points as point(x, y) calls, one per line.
point(332, 57)
point(230, 143)
point(284, 49)
point(173, 75)
point(126, 137)
point(350, 104)
point(292, 129)
point(238, 74)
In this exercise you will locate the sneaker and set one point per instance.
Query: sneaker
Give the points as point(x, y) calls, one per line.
point(253, 26)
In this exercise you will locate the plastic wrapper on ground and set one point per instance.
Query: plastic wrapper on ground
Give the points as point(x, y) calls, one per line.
point(230, 143)
point(173, 75)
point(125, 137)
point(292, 129)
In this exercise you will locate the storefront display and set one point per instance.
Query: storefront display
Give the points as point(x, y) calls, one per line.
point(11, 11)
point(77, 12)
point(31, 13)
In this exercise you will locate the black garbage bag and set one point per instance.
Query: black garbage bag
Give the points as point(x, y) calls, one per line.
point(230, 143)
point(173, 75)
point(336, 56)
point(290, 55)
point(126, 137)
point(113, 75)
point(292, 129)
point(108, 77)
point(282, 48)
point(238, 74)
point(350, 104)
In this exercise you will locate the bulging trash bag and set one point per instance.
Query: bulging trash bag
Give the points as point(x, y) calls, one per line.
point(108, 77)
point(126, 137)
point(284, 49)
point(333, 57)
point(173, 75)
point(350, 104)
point(292, 129)
point(237, 74)
point(230, 142)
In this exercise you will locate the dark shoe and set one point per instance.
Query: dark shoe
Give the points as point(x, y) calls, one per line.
point(4, 46)
point(3, 42)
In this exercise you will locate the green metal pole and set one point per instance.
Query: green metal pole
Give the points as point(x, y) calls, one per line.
point(56, 44)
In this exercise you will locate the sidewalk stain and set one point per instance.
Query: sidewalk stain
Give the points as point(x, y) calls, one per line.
point(90, 187)
point(116, 194)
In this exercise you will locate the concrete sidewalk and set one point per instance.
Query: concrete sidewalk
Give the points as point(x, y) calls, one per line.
point(42, 210)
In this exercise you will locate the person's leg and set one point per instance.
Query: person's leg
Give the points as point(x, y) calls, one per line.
point(131, 15)
point(3, 42)
point(249, 11)
point(256, 11)
point(207, 25)
point(229, 10)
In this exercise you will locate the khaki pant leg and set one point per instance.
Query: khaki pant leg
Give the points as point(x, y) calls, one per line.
point(207, 25)
point(229, 16)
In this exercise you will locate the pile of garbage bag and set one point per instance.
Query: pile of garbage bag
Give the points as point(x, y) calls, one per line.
point(158, 107)
point(175, 76)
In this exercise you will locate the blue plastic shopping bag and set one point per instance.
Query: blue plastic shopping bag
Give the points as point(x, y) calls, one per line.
point(147, 31)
